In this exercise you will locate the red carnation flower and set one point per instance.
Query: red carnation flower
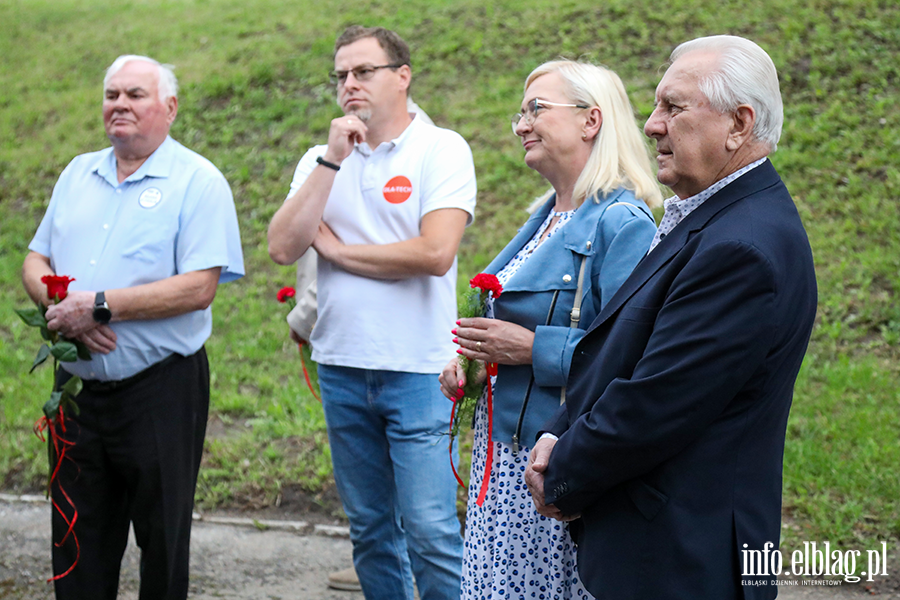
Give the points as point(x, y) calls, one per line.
point(487, 283)
point(285, 293)
point(57, 286)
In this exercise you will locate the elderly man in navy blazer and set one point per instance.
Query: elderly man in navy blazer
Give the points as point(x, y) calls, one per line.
point(668, 454)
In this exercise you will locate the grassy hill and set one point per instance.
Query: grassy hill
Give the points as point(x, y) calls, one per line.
point(255, 96)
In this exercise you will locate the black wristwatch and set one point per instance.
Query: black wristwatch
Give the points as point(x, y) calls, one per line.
point(102, 314)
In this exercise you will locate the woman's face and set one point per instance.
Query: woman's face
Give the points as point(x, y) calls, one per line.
point(553, 142)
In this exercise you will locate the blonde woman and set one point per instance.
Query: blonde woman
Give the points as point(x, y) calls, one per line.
point(578, 130)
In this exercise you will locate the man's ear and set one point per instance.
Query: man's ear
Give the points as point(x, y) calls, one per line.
point(171, 109)
point(405, 76)
point(742, 121)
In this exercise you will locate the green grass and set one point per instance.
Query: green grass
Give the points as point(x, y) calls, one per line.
point(254, 97)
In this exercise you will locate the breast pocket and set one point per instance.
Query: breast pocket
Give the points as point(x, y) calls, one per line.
point(149, 241)
point(639, 314)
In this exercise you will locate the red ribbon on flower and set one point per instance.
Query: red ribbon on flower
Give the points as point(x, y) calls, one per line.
point(57, 286)
point(309, 384)
point(60, 447)
point(474, 304)
point(287, 294)
point(488, 460)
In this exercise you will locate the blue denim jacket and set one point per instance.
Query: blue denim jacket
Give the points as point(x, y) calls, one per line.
point(613, 234)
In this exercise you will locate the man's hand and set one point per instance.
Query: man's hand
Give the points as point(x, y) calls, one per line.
point(74, 315)
point(101, 339)
point(345, 133)
point(538, 461)
point(327, 244)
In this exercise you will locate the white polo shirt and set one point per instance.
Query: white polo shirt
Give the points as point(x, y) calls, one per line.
point(379, 197)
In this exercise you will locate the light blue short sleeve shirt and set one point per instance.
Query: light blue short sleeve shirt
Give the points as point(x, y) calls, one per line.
point(173, 215)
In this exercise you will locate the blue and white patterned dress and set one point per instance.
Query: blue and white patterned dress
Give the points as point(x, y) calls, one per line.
point(510, 550)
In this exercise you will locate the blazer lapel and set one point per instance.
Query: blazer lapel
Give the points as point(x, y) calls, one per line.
point(759, 178)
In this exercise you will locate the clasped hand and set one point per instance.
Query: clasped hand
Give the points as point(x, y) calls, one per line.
point(74, 318)
point(538, 461)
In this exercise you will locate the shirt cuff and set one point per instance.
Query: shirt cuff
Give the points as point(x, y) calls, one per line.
point(548, 436)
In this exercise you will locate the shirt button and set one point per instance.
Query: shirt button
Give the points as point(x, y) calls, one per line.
point(106, 226)
point(567, 278)
point(662, 235)
point(118, 190)
point(93, 262)
point(93, 374)
point(588, 245)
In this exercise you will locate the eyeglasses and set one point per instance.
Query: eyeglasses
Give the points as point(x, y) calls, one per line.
point(363, 73)
point(531, 111)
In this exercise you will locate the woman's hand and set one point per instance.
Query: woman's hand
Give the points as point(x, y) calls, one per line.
point(491, 340)
point(453, 380)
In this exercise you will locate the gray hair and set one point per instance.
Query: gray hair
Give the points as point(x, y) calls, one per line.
point(167, 84)
point(745, 75)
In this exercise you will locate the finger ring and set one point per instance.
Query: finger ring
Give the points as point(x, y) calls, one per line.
point(478, 346)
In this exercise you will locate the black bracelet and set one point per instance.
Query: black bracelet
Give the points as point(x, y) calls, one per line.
point(325, 163)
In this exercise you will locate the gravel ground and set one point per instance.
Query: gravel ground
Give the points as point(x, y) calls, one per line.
point(227, 561)
point(232, 561)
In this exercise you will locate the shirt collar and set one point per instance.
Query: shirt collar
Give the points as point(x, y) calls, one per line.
point(686, 206)
point(158, 164)
point(365, 150)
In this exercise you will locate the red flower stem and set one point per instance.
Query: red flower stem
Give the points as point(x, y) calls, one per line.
point(306, 373)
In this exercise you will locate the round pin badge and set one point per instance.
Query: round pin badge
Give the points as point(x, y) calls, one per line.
point(150, 197)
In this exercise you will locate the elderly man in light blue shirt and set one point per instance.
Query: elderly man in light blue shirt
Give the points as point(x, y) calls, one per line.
point(148, 229)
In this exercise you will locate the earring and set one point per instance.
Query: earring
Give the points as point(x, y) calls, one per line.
point(584, 136)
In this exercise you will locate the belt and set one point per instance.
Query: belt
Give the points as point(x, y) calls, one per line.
point(96, 385)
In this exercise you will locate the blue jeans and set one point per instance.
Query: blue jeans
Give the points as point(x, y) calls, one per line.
point(387, 432)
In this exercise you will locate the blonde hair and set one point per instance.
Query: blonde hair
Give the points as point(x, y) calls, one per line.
point(619, 157)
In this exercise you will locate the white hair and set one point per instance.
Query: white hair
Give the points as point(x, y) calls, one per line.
point(167, 84)
point(745, 74)
point(619, 156)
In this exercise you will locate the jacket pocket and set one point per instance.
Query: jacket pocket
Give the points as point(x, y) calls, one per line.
point(649, 501)
point(639, 314)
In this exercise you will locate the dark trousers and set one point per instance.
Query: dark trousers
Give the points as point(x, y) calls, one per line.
point(135, 460)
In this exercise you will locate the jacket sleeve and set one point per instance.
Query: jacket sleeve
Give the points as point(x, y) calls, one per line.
point(623, 237)
point(709, 337)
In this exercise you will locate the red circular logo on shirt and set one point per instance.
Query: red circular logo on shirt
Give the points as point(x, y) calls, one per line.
point(397, 190)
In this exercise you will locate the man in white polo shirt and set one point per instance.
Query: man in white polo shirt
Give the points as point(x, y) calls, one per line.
point(385, 204)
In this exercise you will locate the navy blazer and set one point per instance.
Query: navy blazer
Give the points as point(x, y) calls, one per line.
point(612, 233)
point(672, 439)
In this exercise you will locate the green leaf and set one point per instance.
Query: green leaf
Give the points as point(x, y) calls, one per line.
point(70, 407)
point(83, 352)
point(31, 316)
point(52, 405)
point(45, 333)
point(65, 351)
point(73, 386)
point(43, 353)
